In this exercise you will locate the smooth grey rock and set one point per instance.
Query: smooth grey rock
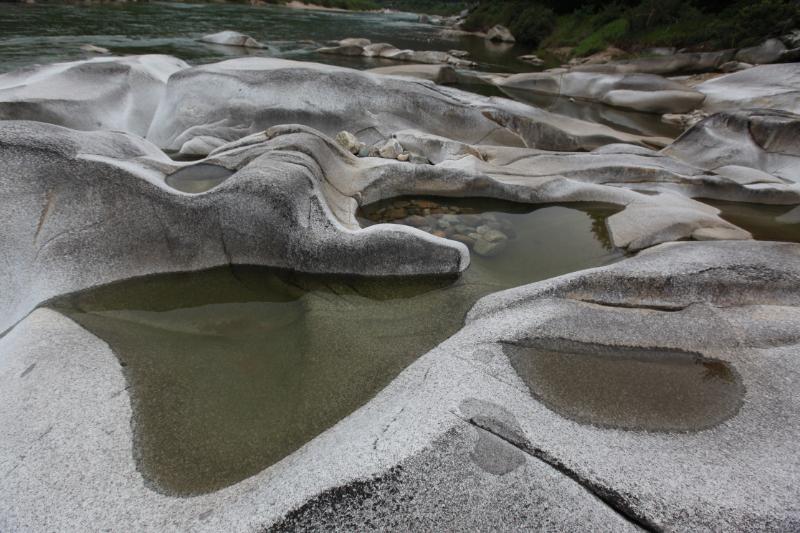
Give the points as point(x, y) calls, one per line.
point(441, 74)
point(89, 94)
point(767, 52)
point(666, 66)
point(641, 92)
point(327, 98)
point(734, 66)
point(761, 139)
point(332, 99)
point(232, 38)
point(765, 86)
point(500, 33)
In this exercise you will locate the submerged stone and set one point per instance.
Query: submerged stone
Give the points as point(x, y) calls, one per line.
point(629, 388)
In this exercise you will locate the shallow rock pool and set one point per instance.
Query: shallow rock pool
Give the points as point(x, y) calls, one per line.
point(232, 369)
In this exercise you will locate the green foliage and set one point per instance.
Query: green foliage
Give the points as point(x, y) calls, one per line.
point(592, 25)
point(436, 7)
point(530, 22)
point(611, 33)
point(749, 23)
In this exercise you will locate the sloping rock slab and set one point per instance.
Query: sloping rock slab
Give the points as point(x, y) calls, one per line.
point(232, 38)
point(112, 93)
point(760, 139)
point(765, 86)
point(641, 92)
point(252, 94)
point(665, 65)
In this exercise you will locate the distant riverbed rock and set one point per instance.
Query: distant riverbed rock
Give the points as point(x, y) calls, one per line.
point(767, 141)
point(641, 92)
point(232, 38)
point(685, 63)
point(500, 33)
point(764, 86)
point(94, 49)
point(767, 52)
point(366, 48)
point(440, 74)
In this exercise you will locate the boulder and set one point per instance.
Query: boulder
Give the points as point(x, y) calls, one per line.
point(500, 33)
point(441, 74)
point(685, 63)
point(82, 225)
point(332, 99)
point(765, 86)
point(87, 95)
point(365, 48)
point(232, 38)
point(641, 92)
point(766, 140)
point(769, 51)
point(348, 141)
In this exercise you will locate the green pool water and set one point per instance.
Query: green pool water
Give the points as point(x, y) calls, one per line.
point(232, 369)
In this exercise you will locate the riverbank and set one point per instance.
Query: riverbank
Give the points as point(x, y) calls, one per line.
point(636, 26)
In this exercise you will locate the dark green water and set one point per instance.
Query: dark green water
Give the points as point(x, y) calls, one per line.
point(232, 369)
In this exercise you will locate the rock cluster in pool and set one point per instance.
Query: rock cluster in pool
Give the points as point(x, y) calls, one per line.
point(485, 233)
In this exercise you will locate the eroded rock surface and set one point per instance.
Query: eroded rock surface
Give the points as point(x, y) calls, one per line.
point(744, 145)
point(110, 93)
point(191, 119)
point(640, 92)
point(765, 86)
point(366, 48)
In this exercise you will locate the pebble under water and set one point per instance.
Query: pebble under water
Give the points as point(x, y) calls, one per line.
point(629, 388)
point(232, 369)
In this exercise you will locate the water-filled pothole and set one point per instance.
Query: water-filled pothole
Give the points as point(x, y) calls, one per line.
point(198, 178)
point(628, 388)
point(510, 243)
point(232, 369)
point(764, 222)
